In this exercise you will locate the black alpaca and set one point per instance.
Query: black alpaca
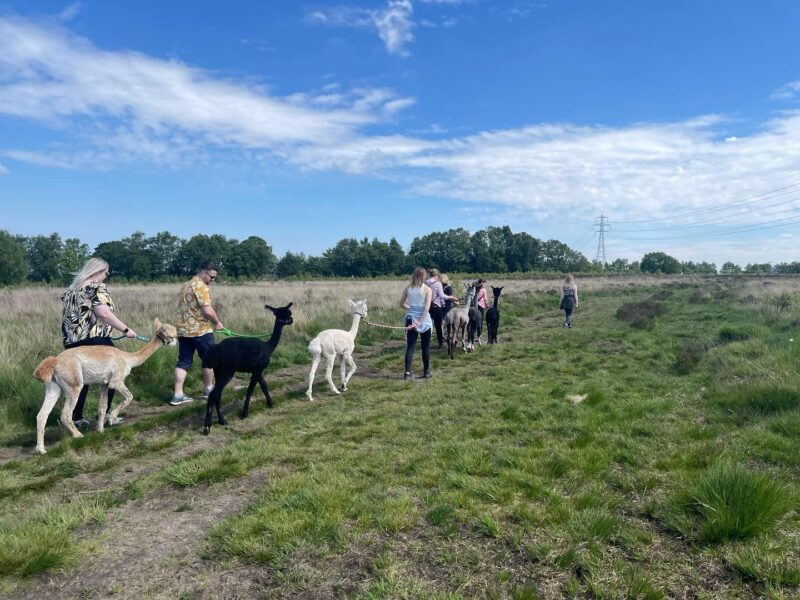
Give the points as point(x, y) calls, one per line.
point(474, 328)
point(248, 355)
point(493, 316)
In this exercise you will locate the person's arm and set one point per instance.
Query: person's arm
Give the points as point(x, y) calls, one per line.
point(211, 315)
point(576, 295)
point(403, 298)
point(562, 294)
point(103, 312)
point(428, 299)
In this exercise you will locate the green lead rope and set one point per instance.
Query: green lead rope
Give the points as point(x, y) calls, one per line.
point(230, 333)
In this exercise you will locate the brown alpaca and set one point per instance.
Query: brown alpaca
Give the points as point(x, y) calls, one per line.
point(86, 365)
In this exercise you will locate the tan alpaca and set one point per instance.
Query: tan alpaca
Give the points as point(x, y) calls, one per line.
point(86, 365)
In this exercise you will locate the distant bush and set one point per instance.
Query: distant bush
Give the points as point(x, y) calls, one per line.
point(731, 502)
point(641, 314)
point(689, 356)
point(662, 295)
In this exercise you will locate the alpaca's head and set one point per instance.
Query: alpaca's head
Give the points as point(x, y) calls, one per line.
point(496, 291)
point(359, 307)
point(166, 333)
point(283, 314)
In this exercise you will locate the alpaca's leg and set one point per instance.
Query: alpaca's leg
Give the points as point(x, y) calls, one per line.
point(314, 364)
point(250, 387)
point(51, 393)
point(343, 371)
point(264, 388)
point(330, 359)
point(128, 398)
point(102, 408)
point(352, 365)
point(215, 399)
point(66, 411)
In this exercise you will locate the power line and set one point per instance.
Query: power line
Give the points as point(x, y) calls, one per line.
point(744, 202)
point(736, 230)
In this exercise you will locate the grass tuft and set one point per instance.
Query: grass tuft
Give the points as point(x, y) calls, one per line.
point(641, 314)
point(731, 502)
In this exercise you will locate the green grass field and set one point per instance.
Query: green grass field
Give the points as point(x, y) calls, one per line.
point(653, 451)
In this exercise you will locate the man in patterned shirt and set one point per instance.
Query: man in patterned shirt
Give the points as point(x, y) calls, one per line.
point(195, 319)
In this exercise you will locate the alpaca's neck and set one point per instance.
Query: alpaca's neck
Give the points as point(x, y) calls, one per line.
point(354, 327)
point(497, 301)
point(138, 357)
point(276, 335)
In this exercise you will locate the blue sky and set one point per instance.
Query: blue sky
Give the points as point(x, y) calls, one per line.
point(306, 122)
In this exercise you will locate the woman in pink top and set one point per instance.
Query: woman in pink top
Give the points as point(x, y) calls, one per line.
point(481, 300)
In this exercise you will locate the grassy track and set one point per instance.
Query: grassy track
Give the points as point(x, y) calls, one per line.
point(634, 456)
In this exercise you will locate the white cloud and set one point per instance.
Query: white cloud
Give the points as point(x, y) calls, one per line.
point(393, 24)
point(116, 107)
point(3, 170)
point(71, 11)
point(790, 91)
point(51, 76)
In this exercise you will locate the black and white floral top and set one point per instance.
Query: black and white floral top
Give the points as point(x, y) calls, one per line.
point(78, 321)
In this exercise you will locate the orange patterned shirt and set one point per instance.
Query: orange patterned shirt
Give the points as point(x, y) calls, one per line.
point(193, 296)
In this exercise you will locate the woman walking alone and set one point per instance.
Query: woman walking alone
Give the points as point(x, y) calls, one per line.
point(416, 299)
point(569, 299)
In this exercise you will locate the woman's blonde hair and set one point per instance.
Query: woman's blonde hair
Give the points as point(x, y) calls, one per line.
point(444, 279)
point(570, 280)
point(90, 267)
point(418, 277)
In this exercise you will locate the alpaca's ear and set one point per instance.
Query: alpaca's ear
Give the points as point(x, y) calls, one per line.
point(289, 305)
point(157, 323)
point(353, 304)
point(267, 306)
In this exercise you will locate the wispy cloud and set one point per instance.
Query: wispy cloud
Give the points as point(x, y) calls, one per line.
point(71, 11)
point(3, 170)
point(790, 91)
point(49, 75)
point(393, 24)
point(114, 107)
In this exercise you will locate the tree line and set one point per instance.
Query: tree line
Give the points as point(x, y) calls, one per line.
point(165, 257)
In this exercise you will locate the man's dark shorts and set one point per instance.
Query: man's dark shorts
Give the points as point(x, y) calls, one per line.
point(187, 346)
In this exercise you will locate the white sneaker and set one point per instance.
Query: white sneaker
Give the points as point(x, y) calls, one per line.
point(207, 392)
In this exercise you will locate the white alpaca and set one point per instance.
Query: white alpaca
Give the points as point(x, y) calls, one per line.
point(86, 365)
point(333, 344)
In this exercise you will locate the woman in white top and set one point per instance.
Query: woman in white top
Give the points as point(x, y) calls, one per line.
point(416, 300)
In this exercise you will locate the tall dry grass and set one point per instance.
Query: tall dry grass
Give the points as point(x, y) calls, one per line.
point(30, 322)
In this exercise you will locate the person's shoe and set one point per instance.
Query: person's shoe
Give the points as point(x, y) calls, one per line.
point(565, 325)
point(116, 421)
point(569, 326)
point(207, 392)
point(406, 375)
point(82, 423)
point(427, 374)
point(178, 400)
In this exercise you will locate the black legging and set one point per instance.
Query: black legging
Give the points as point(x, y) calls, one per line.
point(77, 412)
point(411, 346)
point(438, 316)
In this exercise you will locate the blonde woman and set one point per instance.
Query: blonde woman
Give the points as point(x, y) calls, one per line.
point(416, 299)
point(87, 319)
point(569, 299)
